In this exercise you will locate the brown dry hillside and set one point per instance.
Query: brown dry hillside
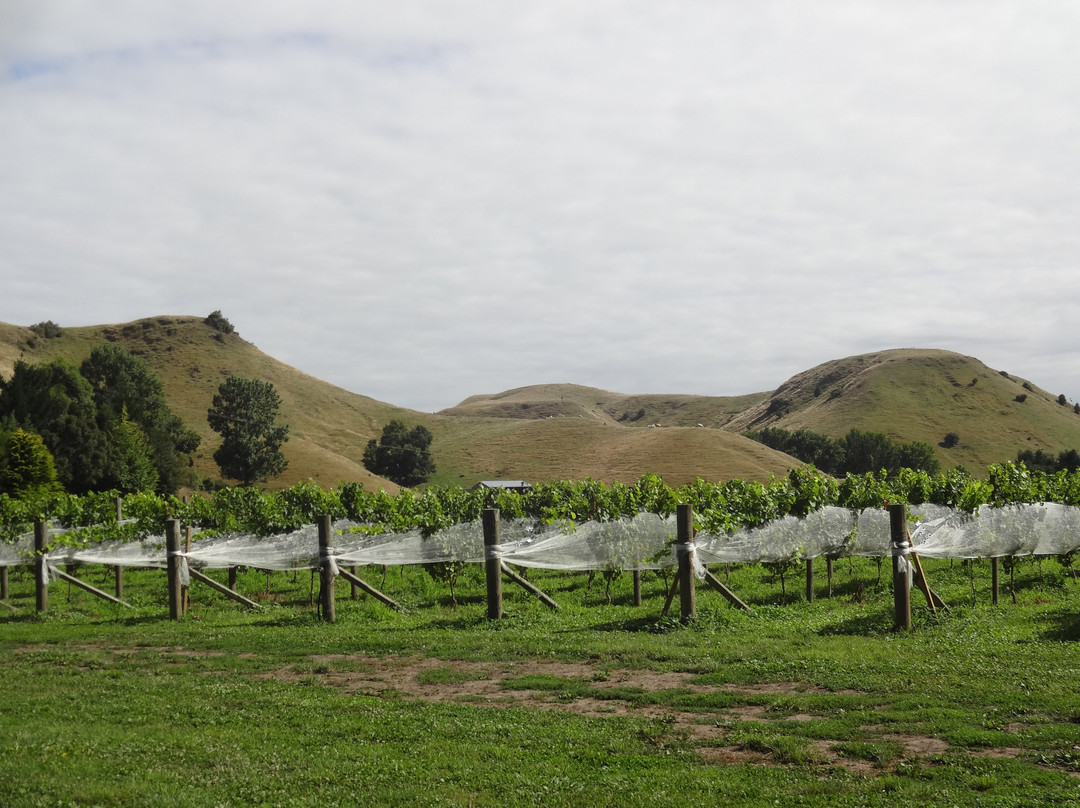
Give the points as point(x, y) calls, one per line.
point(330, 427)
point(578, 448)
point(564, 431)
point(573, 400)
point(908, 394)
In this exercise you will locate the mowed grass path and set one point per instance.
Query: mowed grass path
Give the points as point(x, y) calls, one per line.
point(597, 704)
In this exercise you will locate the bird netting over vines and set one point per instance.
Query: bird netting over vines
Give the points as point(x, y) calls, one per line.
point(644, 541)
point(583, 525)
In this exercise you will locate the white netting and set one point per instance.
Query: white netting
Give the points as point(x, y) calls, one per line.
point(645, 541)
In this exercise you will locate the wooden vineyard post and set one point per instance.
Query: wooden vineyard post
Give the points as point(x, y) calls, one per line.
point(185, 595)
point(809, 580)
point(492, 564)
point(637, 587)
point(172, 568)
point(354, 593)
point(326, 571)
point(118, 571)
point(41, 566)
point(994, 580)
point(3, 583)
point(685, 548)
point(900, 547)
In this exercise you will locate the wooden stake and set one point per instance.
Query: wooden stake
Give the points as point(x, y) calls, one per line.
point(931, 596)
point(901, 593)
point(41, 567)
point(685, 546)
point(529, 587)
point(637, 587)
point(359, 583)
point(326, 572)
point(994, 580)
point(3, 583)
point(185, 595)
point(732, 598)
point(118, 571)
point(93, 590)
point(492, 564)
point(672, 591)
point(172, 568)
point(809, 580)
point(210, 582)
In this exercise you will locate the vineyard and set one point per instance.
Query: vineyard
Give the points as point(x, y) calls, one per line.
point(607, 699)
point(560, 526)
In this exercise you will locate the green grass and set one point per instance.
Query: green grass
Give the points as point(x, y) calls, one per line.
point(816, 704)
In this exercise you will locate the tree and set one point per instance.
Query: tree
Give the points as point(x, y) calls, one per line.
point(401, 455)
point(917, 455)
point(26, 467)
point(132, 465)
point(1069, 460)
point(867, 451)
point(244, 412)
point(1037, 460)
point(56, 402)
point(125, 388)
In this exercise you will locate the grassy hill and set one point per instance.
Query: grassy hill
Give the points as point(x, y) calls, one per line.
point(330, 427)
point(919, 394)
point(548, 432)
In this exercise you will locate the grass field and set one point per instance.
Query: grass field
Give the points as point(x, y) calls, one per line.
point(597, 704)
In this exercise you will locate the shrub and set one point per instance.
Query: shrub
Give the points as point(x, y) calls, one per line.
point(218, 322)
point(47, 329)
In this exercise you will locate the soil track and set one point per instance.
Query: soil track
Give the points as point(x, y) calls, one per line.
point(491, 684)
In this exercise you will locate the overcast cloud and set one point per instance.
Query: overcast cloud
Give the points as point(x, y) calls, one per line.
point(424, 200)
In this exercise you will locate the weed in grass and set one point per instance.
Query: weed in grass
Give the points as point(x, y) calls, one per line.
point(880, 753)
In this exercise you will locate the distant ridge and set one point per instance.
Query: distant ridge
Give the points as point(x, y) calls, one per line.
point(566, 431)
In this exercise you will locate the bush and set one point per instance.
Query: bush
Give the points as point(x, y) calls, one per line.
point(47, 329)
point(218, 322)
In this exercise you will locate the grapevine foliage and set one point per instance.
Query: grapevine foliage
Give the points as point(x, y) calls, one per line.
point(718, 507)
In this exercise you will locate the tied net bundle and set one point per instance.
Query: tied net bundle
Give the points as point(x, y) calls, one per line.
point(643, 542)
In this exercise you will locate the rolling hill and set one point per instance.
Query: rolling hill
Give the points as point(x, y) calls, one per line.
point(547, 432)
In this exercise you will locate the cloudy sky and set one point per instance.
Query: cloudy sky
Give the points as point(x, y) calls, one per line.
point(422, 200)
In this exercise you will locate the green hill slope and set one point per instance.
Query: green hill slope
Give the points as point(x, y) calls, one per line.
point(330, 427)
point(564, 431)
point(908, 394)
point(922, 394)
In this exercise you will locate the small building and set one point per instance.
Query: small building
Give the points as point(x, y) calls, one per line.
point(520, 486)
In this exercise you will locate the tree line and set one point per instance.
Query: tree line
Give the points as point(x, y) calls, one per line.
point(104, 425)
point(857, 452)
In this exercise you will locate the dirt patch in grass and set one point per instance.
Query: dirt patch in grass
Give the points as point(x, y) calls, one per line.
point(486, 684)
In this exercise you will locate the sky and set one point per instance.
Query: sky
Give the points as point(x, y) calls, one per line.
point(425, 200)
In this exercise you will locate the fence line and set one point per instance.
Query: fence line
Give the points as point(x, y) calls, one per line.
point(644, 542)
